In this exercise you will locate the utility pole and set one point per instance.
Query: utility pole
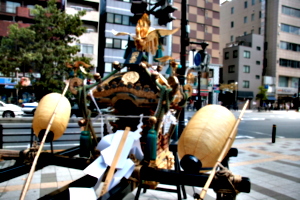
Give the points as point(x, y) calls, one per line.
point(183, 42)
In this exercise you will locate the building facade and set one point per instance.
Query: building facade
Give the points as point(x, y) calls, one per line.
point(16, 11)
point(278, 22)
point(203, 18)
point(242, 65)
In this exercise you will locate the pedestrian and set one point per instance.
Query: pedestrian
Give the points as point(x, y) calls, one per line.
point(269, 106)
point(287, 107)
point(265, 106)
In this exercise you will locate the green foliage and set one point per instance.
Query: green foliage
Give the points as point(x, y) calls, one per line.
point(262, 94)
point(43, 48)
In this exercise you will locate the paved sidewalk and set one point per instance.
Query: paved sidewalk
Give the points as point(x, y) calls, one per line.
point(273, 169)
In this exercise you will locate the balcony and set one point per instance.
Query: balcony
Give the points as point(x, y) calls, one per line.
point(4, 27)
point(23, 12)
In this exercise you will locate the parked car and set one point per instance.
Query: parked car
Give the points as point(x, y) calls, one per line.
point(29, 108)
point(10, 110)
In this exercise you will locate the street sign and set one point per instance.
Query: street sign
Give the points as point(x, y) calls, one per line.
point(197, 59)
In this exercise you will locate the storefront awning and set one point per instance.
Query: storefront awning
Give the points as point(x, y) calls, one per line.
point(271, 98)
point(245, 94)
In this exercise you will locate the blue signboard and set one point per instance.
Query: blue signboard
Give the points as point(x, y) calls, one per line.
point(197, 59)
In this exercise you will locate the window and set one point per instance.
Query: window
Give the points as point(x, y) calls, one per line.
point(108, 67)
point(289, 63)
point(252, 17)
point(232, 10)
point(258, 48)
point(119, 19)
point(291, 11)
point(245, 33)
point(232, 24)
point(257, 76)
point(246, 54)
point(259, 14)
point(294, 82)
point(245, 4)
point(253, 2)
point(246, 84)
point(231, 69)
point(259, 30)
point(258, 62)
point(289, 46)
point(86, 48)
point(235, 53)
point(245, 20)
point(246, 69)
point(290, 29)
point(89, 30)
point(283, 81)
point(116, 43)
point(231, 38)
point(81, 8)
point(31, 7)
point(11, 6)
point(226, 55)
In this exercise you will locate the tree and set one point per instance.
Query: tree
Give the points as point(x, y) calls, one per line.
point(262, 94)
point(43, 48)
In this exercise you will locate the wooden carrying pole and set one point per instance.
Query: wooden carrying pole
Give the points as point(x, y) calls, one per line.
point(222, 155)
point(32, 169)
point(114, 163)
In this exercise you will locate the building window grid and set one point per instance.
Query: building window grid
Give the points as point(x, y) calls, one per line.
point(246, 69)
point(115, 43)
point(289, 63)
point(246, 84)
point(235, 54)
point(289, 46)
point(80, 8)
point(291, 11)
point(86, 48)
point(11, 6)
point(290, 29)
point(252, 17)
point(119, 19)
point(226, 55)
point(231, 69)
point(283, 81)
point(247, 54)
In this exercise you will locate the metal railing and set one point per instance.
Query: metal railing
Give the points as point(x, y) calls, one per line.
point(20, 138)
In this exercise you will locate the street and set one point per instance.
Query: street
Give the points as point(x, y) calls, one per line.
point(260, 124)
point(253, 125)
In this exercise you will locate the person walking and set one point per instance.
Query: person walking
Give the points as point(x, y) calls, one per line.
point(287, 107)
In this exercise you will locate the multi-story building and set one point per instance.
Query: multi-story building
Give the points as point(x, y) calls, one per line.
point(242, 64)
point(278, 22)
point(89, 40)
point(204, 25)
point(16, 11)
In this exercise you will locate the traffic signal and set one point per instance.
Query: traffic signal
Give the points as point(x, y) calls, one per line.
point(138, 8)
point(164, 15)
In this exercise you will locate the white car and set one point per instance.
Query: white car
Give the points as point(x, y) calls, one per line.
point(10, 110)
point(29, 108)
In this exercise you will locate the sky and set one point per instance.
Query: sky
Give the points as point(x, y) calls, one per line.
point(221, 1)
